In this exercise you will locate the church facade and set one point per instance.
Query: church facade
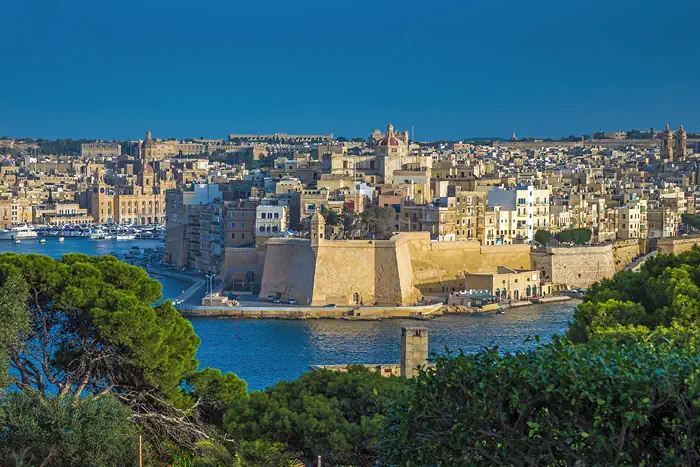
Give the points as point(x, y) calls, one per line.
point(141, 202)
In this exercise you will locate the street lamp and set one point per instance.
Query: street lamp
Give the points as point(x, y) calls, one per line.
point(210, 286)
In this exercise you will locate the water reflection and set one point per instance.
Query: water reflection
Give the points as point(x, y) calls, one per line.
point(264, 352)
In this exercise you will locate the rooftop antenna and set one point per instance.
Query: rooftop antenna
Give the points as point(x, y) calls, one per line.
point(413, 136)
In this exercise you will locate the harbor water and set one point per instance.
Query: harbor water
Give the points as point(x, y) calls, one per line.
point(264, 352)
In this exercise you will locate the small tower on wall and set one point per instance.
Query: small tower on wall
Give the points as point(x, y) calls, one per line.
point(318, 230)
point(414, 350)
point(667, 144)
point(681, 138)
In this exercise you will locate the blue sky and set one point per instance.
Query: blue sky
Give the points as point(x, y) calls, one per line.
point(452, 69)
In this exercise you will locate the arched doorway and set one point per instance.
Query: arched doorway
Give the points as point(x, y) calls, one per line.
point(497, 293)
point(356, 298)
point(528, 291)
point(534, 291)
point(516, 294)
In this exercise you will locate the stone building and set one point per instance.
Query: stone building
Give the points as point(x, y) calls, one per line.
point(506, 283)
point(141, 203)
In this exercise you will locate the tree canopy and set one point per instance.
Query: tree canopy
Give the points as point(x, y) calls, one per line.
point(321, 413)
point(577, 236)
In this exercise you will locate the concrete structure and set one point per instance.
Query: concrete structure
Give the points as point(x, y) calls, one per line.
point(414, 350)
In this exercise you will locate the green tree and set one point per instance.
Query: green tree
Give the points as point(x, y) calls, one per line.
point(93, 332)
point(378, 222)
point(577, 236)
point(543, 237)
point(14, 317)
point(332, 218)
point(215, 392)
point(56, 431)
point(602, 403)
point(320, 413)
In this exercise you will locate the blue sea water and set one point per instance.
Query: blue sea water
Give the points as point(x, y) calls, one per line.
point(264, 352)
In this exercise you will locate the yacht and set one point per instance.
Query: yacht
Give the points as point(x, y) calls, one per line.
point(21, 231)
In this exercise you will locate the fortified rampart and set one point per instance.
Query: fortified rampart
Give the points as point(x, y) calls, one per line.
point(575, 266)
point(386, 272)
point(677, 245)
point(440, 266)
point(624, 252)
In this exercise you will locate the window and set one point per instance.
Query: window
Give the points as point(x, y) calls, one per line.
point(262, 228)
point(277, 216)
point(242, 225)
point(233, 225)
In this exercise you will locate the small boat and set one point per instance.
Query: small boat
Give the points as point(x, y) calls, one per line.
point(17, 242)
point(61, 239)
point(43, 240)
point(500, 311)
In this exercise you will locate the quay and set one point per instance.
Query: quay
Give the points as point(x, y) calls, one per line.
point(308, 312)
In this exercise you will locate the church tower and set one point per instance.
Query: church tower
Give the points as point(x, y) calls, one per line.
point(146, 177)
point(681, 139)
point(667, 144)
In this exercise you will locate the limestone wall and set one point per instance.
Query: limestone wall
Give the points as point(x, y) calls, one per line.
point(625, 251)
point(575, 267)
point(437, 265)
point(290, 269)
point(677, 245)
point(345, 268)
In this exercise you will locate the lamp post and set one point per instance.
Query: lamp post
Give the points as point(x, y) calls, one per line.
point(210, 286)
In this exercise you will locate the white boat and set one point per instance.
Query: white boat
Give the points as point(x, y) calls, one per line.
point(61, 239)
point(17, 242)
point(21, 231)
point(43, 240)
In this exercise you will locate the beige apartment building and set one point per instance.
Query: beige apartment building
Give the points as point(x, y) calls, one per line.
point(628, 222)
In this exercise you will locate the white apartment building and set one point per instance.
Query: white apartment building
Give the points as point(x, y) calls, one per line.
point(529, 211)
point(271, 220)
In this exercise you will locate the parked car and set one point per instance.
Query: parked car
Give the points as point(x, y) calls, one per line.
point(291, 301)
point(276, 300)
point(330, 305)
point(271, 298)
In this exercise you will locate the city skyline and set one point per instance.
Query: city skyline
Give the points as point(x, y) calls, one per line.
point(448, 69)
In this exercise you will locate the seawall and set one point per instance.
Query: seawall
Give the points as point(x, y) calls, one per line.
point(305, 312)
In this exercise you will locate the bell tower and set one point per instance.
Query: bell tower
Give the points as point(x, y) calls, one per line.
point(681, 138)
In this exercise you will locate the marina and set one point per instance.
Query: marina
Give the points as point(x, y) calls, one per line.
point(107, 232)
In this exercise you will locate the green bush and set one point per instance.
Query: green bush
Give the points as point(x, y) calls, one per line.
point(321, 413)
point(602, 403)
point(88, 433)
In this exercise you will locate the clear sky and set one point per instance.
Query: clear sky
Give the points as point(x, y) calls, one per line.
point(452, 69)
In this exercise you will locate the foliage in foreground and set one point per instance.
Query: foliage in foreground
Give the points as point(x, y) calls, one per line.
point(665, 293)
point(320, 413)
point(59, 432)
point(603, 402)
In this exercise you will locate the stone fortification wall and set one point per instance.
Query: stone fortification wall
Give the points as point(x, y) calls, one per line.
point(440, 266)
point(624, 251)
point(290, 269)
point(575, 267)
point(364, 272)
point(677, 244)
point(344, 268)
